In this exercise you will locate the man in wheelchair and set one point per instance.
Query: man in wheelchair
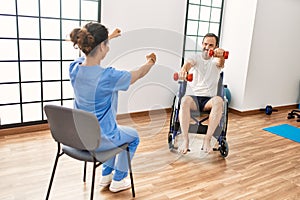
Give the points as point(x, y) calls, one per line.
point(206, 73)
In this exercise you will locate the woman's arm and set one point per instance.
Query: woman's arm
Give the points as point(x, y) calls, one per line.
point(144, 69)
point(114, 34)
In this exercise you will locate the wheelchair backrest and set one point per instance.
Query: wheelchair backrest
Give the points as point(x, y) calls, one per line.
point(220, 91)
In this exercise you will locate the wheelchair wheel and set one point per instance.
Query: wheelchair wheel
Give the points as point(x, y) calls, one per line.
point(224, 149)
point(171, 146)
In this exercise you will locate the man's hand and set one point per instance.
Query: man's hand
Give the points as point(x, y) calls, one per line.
point(182, 75)
point(184, 70)
point(218, 52)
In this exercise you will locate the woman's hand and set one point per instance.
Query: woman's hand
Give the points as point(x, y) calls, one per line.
point(151, 58)
point(114, 34)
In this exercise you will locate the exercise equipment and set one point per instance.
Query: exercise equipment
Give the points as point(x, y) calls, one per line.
point(212, 53)
point(293, 114)
point(227, 93)
point(268, 110)
point(189, 77)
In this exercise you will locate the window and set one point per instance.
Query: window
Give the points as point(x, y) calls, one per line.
point(34, 63)
point(203, 16)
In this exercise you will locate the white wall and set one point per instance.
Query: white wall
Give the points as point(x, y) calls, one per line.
point(147, 26)
point(274, 67)
point(237, 29)
point(262, 37)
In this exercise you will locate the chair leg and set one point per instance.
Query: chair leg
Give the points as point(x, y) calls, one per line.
point(93, 181)
point(53, 171)
point(84, 172)
point(130, 172)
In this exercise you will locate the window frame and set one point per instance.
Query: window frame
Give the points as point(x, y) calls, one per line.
point(199, 37)
point(15, 112)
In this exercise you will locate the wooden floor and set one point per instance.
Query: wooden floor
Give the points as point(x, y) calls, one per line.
point(260, 165)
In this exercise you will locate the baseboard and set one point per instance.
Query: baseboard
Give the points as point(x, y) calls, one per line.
point(23, 129)
point(42, 127)
point(143, 113)
point(258, 111)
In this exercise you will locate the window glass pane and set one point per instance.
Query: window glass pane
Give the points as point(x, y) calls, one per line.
point(195, 1)
point(28, 7)
point(67, 90)
point(10, 93)
point(10, 114)
point(9, 72)
point(31, 92)
point(8, 7)
point(193, 12)
point(50, 8)
point(65, 69)
point(192, 28)
point(214, 28)
point(58, 103)
point(203, 28)
point(68, 51)
point(51, 50)
point(67, 27)
point(190, 43)
point(32, 112)
point(70, 9)
point(206, 2)
point(51, 71)
point(68, 103)
point(217, 3)
point(199, 43)
point(50, 29)
point(89, 10)
point(29, 49)
point(205, 13)
point(11, 51)
point(215, 15)
point(28, 27)
point(8, 25)
point(30, 71)
point(51, 90)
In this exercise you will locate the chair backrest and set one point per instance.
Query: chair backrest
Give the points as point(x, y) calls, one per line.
point(73, 127)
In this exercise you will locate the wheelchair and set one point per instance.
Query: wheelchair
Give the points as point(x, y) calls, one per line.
point(198, 127)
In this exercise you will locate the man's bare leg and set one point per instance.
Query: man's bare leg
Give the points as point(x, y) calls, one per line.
point(215, 104)
point(187, 103)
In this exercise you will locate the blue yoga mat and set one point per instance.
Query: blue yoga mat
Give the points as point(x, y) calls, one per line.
point(285, 130)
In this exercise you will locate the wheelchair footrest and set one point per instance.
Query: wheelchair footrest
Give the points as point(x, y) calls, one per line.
point(198, 128)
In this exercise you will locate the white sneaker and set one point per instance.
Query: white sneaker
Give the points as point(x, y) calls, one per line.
point(105, 180)
point(117, 186)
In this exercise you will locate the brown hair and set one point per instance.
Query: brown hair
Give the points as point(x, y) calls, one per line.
point(89, 37)
point(212, 35)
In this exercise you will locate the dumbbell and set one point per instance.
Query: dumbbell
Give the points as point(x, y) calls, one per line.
point(212, 53)
point(189, 77)
point(268, 110)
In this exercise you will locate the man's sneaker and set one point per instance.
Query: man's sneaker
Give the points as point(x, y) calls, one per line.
point(105, 180)
point(117, 186)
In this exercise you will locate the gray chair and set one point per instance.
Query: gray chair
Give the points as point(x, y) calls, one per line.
point(77, 134)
